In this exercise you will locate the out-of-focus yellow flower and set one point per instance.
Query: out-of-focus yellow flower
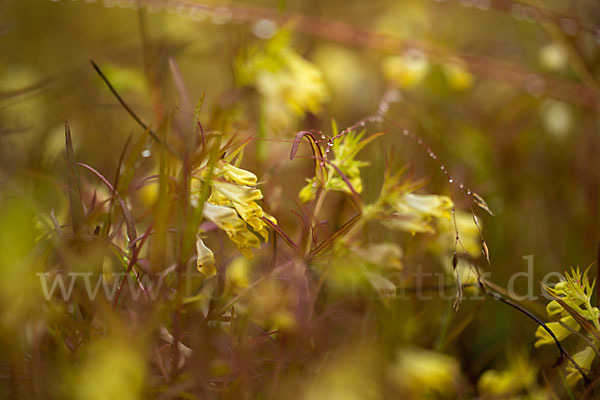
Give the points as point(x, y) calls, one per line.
point(457, 76)
point(237, 274)
point(270, 306)
point(553, 57)
point(112, 369)
point(520, 375)
point(399, 208)
point(467, 231)
point(349, 75)
point(382, 254)
point(414, 213)
point(124, 78)
point(350, 376)
point(407, 70)
point(425, 374)
point(561, 333)
point(557, 118)
point(584, 359)
point(289, 85)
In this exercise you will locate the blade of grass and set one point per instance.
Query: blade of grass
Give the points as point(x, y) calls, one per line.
point(133, 113)
point(75, 200)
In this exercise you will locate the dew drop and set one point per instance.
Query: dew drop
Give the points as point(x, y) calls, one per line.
point(146, 153)
point(264, 29)
point(323, 137)
point(405, 132)
point(461, 186)
point(443, 168)
point(450, 180)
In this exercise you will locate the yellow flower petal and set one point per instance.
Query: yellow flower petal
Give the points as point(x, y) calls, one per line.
point(206, 258)
point(238, 175)
point(559, 331)
point(584, 359)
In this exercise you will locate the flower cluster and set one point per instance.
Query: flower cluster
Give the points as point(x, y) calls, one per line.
point(344, 151)
point(401, 209)
point(573, 305)
point(232, 207)
point(288, 84)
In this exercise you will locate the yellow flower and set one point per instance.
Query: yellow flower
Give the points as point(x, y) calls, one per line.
point(238, 175)
point(243, 199)
point(344, 150)
point(584, 359)
point(112, 368)
point(227, 219)
point(424, 374)
point(576, 292)
point(414, 213)
point(237, 274)
point(206, 258)
point(457, 76)
point(561, 333)
point(399, 208)
point(520, 375)
point(407, 70)
point(553, 57)
point(288, 84)
point(232, 207)
point(467, 231)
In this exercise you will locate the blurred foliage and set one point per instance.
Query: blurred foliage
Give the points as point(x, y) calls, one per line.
point(287, 199)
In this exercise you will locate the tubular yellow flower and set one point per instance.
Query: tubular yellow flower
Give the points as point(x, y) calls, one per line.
point(413, 212)
point(432, 205)
point(232, 207)
point(206, 258)
point(561, 333)
point(584, 359)
point(238, 175)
